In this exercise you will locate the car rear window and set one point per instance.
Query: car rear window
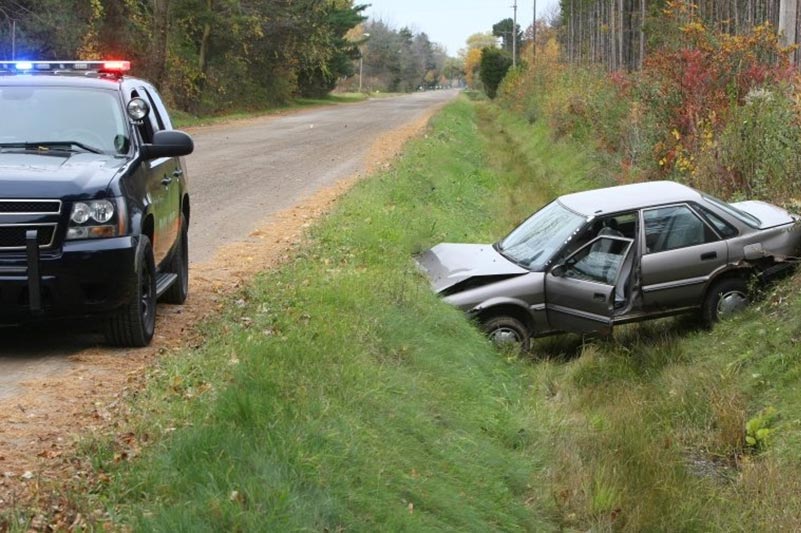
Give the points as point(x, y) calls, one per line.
point(739, 214)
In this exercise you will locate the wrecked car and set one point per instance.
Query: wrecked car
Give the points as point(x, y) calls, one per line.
point(592, 260)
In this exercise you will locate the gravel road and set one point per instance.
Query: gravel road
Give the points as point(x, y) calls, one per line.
point(240, 174)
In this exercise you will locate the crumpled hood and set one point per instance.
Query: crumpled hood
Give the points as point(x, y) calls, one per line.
point(768, 214)
point(56, 175)
point(447, 264)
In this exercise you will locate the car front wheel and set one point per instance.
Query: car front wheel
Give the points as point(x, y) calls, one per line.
point(725, 299)
point(134, 324)
point(506, 331)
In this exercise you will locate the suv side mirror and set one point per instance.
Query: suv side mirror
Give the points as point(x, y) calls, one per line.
point(168, 143)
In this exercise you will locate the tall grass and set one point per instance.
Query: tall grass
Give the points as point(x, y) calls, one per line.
point(344, 394)
point(340, 394)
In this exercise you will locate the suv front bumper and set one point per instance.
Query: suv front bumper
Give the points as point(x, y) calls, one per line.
point(83, 278)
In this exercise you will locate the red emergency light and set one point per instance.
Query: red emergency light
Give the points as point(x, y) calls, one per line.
point(117, 67)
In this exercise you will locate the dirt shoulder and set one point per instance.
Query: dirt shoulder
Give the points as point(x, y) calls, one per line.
point(42, 426)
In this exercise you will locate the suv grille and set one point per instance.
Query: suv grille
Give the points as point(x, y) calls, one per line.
point(12, 236)
point(29, 207)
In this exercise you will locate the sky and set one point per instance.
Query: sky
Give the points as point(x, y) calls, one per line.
point(451, 22)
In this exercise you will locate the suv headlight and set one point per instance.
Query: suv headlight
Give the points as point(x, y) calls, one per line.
point(95, 219)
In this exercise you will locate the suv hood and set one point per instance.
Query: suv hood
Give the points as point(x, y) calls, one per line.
point(769, 215)
point(448, 264)
point(55, 174)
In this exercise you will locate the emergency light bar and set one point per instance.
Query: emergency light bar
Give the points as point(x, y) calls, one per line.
point(88, 67)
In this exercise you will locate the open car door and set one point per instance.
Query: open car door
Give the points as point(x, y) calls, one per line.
point(580, 293)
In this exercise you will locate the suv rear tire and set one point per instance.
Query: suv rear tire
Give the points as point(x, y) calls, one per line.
point(179, 265)
point(133, 325)
point(724, 299)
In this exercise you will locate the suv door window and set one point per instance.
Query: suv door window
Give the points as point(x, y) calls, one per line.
point(669, 228)
point(158, 107)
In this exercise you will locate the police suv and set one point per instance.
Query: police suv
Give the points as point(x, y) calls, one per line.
point(94, 207)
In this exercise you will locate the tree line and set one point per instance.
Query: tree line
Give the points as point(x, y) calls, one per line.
point(618, 33)
point(395, 60)
point(204, 55)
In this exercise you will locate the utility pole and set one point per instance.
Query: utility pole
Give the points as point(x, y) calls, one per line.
point(514, 37)
point(534, 35)
point(361, 60)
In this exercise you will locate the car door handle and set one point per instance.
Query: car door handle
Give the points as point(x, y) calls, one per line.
point(166, 180)
point(177, 173)
point(709, 256)
point(599, 297)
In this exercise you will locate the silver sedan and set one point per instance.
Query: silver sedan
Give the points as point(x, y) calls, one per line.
point(591, 260)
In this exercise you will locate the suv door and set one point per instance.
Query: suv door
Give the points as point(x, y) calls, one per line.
point(680, 253)
point(580, 292)
point(159, 181)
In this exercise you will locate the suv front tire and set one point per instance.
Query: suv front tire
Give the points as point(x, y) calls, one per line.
point(134, 324)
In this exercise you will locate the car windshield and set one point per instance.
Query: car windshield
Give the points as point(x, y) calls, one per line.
point(739, 214)
point(79, 118)
point(534, 242)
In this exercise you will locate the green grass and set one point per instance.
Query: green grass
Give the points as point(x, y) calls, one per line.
point(182, 119)
point(343, 395)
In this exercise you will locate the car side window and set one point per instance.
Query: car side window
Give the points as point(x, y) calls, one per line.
point(724, 228)
point(669, 228)
point(599, 260)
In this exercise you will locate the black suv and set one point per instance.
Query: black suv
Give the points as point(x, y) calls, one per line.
point(94, 207)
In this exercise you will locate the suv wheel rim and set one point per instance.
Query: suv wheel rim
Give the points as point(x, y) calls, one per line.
point(505, 336)
point(731, 303)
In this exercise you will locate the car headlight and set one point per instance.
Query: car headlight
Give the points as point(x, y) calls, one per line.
point(97, 219)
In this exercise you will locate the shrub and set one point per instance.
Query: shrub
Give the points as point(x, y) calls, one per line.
point(494, 65)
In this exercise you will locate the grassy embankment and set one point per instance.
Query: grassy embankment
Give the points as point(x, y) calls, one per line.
point(344, 395)
point(182, 119)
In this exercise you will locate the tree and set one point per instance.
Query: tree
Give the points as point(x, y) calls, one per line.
point(479, 41)
point(506, 30)
point(495, 64)
point(337, 20)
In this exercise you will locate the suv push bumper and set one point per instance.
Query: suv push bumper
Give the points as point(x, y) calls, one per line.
point(83, 278)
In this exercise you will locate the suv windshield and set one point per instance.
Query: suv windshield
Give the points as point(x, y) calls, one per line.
point(534, 242)
point(89, 118)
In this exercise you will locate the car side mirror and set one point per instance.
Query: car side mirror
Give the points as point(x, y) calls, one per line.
point(558, 271)
point(168, 143)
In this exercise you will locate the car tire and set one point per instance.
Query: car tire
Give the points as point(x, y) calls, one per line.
point(724, 299)
point(507, 331)
point(134, 324)
point(179, 265)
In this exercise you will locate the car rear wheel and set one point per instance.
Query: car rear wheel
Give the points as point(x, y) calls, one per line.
point(179, 265)
point(508, 332)
point(725, 299)
point(134, 324)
